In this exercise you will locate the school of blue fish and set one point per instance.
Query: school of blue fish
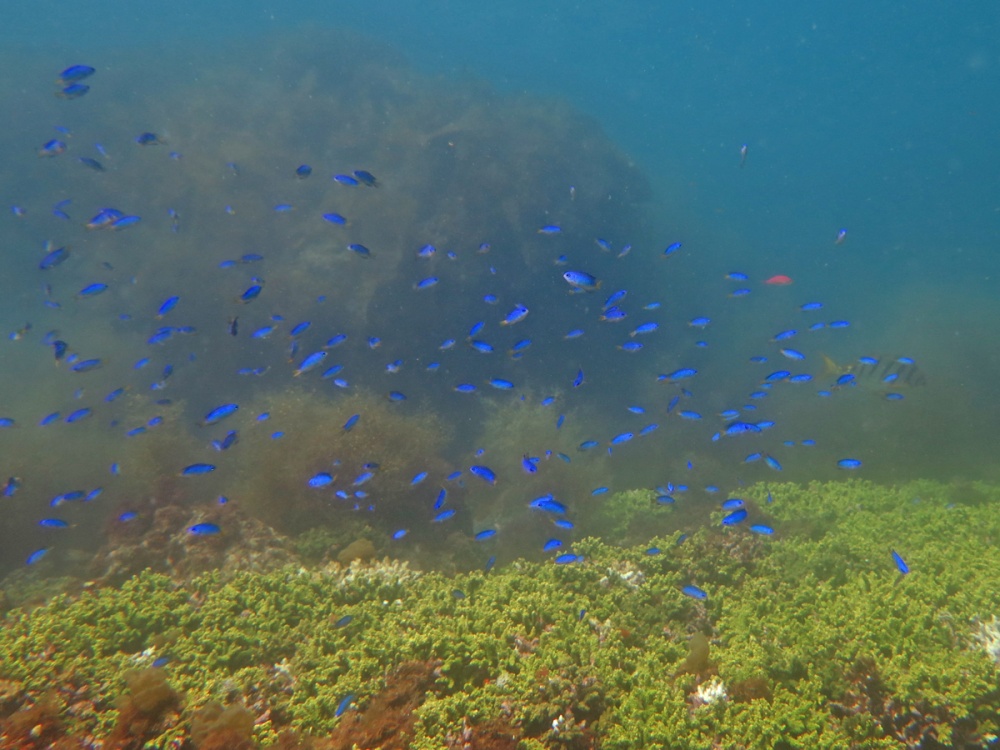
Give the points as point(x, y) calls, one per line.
point(306, 352)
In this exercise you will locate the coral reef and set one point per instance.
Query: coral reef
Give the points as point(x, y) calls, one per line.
point(787, 650)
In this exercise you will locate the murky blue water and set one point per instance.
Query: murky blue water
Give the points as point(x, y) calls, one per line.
point(482, 127)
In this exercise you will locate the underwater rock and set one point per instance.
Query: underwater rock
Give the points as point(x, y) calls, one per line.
point(216, 728)
point(148, 708)
point(167, 545)
point(388, 721)
point(359, 549)
point(37, 725)
point(987, 636)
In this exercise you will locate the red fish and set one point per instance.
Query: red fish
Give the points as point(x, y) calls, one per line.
point(779, 280)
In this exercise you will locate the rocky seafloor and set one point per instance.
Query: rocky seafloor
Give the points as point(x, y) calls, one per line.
point(810, 637)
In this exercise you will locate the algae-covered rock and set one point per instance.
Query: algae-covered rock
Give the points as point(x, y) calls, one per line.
point(608, 650)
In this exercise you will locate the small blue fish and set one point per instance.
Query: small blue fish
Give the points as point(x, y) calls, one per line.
point(227, 442)
point(204, 529)
point(900, 563)
point(481, 346)
point(299, 328)
point(335, 218)
point(54, 258)
point(52, 148)
point(168, 304)
point(86, 365)
point(793, 354)
point(485, 473)
point(252, 293)
point(581, 281)
point(528, 464)
point(735, 517)
point(568, 558)
point(75, 73)
point(849, 464)
point(613, 315)
point(352, 420)
point(219, 413)
point(124, 223)
point(343, 621)
point(310, 362)
point(344, 705)
point(37, 555)
point(519, 347)
point(320, 480)
point(426, 283)
point(740, 428)
point(644, 328)
point(519, 313)
point(361, 250)
point(682, 374)
point(551, 544)
point(196, 469)
point(772, 462)
point(92, 290)
point(501, 384)
point(548, 504)
point(672, 248)
point(759, 528)
point(694, 592)
point(366, 177)
point(485, 534)
point(443, 515)
point(53, 523)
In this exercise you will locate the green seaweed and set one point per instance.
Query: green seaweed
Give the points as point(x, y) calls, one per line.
point(797, 642)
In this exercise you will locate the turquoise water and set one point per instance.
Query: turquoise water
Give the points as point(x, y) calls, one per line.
point(482, 127)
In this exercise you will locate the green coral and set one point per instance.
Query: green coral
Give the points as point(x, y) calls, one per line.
point(794, 622)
